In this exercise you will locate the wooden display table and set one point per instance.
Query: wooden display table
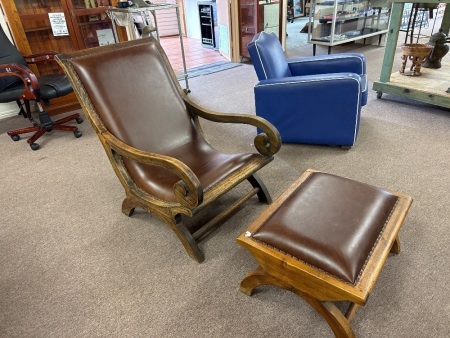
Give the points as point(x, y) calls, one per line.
point(431, 86)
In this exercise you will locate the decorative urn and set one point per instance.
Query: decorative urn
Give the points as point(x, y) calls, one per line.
point(440, 49)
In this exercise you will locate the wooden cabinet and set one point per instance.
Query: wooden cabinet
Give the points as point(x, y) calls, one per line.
point(30, 26)
point(91, 24)
point(255, 17)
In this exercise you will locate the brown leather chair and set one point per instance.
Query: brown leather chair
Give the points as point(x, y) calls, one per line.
point(150, 130)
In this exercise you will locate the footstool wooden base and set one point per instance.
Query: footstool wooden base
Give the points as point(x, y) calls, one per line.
point(326, 239)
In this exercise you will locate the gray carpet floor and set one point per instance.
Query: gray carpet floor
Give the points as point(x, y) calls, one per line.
point(294, 38)
point(72, 265)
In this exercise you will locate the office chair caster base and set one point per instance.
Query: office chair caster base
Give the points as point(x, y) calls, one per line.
point(77, 133)
point(34, 146)
point(15, 137)
point(79, 120)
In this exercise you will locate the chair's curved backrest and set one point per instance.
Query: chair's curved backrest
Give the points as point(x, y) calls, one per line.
point(136, 98)
point(9, 54)
point(268, 57)
point(143, 108)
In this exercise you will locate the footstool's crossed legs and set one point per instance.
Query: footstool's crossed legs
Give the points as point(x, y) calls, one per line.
point(338, 322)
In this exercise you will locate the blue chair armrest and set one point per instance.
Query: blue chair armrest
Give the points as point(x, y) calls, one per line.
point(334, 63)
point(350, 81)
point(292, 104)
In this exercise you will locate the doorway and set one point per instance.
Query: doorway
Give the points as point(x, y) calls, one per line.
point(228, 32)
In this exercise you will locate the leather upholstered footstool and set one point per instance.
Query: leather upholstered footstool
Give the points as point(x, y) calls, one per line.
point(326, 239)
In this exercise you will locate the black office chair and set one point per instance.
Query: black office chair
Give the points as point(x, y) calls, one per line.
point(18, 83)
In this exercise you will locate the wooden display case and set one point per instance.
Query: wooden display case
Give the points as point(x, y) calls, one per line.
point(31, 29)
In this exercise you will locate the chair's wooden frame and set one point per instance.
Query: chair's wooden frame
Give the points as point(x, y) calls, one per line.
point(191, 196)
point(315, 286)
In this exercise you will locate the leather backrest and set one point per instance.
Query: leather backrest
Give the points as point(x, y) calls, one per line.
point(268, 57)
point(133, 93)
point(9, 54)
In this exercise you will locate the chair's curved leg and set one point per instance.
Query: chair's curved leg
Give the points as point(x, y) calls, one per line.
point(338, 323)
point(128, 206)
point(186, 238)
point(263, 193)
point(188, 241)
point(259, 277)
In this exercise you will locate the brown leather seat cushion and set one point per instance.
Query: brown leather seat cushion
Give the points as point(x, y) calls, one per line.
point(331, 223)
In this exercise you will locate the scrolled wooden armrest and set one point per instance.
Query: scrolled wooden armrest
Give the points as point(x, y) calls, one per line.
point(188, 190)
point(29, 79)
point(267, 143)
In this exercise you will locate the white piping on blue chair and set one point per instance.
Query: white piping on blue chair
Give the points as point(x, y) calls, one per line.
point(321, 80)
point(365, 85)
point(259, 55)
point(316, 58)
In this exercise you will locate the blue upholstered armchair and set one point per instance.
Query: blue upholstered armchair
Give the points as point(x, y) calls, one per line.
point(315, 100)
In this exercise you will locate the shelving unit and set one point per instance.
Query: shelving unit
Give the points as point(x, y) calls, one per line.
point(431, 86)
point(124, 17)
point(338, 22)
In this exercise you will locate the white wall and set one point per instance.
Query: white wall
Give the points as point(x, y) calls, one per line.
point(7, 109)
point(192, 19)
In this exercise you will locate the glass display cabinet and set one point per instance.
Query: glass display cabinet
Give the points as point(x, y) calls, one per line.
point(342, 21)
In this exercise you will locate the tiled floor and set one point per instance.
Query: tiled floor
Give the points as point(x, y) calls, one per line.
point(195, 54)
